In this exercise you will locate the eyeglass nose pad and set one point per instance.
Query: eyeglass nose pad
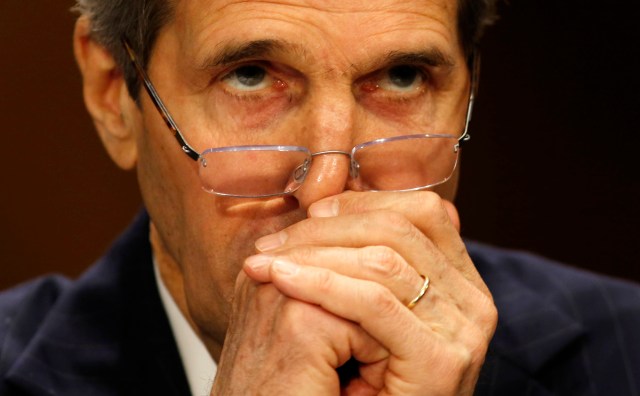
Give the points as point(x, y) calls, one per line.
point(301, 171)
point(354, 169)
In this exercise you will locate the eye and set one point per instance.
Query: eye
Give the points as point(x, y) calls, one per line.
point(248, 78)
point(402, 78)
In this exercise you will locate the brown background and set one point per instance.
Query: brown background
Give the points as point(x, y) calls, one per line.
point(552, 166)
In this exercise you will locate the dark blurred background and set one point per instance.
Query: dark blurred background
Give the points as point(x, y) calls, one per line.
point(551, 167)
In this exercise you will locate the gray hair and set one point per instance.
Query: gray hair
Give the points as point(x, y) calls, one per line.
point(137, 20)
point(141, 20)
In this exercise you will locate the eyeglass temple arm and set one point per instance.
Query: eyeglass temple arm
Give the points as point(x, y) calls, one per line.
point(475, 76)
point(155, 98)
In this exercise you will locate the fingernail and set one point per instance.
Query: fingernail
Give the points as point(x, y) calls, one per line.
point(284, 267)
point(270, 242)
point(328, 208)
point(258, 261)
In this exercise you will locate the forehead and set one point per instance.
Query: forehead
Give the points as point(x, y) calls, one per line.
point(322, 27)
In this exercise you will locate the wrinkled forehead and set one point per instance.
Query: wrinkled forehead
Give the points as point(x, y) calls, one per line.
point(334, 26)
point(336, 7)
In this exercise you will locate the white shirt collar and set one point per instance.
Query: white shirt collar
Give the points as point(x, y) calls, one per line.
point(198, 365)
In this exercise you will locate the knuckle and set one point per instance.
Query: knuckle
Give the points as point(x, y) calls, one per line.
point(432, 203)
point(463, 253)
point(489, 316)
point(294, 317)
point(396, 224)
point(351, 203)
point(291, 326)
point(491, 311)
point(309, 228)
point(459, 359)
point(463, 359)
point(294, 311)
point(474, 339)
point(429, 200)
point(384, 301)
point(456, 361)
point(323, 281)
point(485, 308)
point(302, 253)
point(383, 261)
point(482, 312)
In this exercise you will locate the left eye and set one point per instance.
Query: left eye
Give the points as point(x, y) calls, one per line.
point(403, 78)
point(248, 78)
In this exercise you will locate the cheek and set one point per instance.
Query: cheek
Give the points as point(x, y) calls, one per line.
point(222, 237)
point(163, 174)
point(222, 233)
point(169, 185)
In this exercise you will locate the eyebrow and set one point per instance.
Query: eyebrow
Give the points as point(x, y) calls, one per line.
point(236, 52)
point(232, 53)
point(431, 57)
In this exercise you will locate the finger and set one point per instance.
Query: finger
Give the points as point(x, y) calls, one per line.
point(418, 353)
point(396, 232)
point(364, 302)
point(401, 279)
point(379, 264)
point(425, 209)
point(376, 228)
point(446, 303)
point(262, 312)
point(453, 214)
point(434, 217)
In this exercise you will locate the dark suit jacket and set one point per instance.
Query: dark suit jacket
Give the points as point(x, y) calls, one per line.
point(561, 331)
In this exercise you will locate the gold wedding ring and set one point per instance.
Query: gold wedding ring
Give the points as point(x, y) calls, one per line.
point(421, 293)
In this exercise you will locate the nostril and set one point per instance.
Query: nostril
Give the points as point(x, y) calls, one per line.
point(300, 173)
point(326, 175)
point(354, 169)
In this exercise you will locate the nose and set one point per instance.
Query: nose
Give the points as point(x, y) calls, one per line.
point(330, 128)
point(328, 175)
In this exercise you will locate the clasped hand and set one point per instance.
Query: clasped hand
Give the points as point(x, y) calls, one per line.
point(335, 287)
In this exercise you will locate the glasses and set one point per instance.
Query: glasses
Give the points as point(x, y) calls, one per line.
point(398, 163)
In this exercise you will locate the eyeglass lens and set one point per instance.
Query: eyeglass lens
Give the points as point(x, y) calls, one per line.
point(396, 164)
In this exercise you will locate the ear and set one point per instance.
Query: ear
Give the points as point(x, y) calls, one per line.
point(114, 113)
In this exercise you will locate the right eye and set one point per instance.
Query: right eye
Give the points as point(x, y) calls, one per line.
point(248, 78)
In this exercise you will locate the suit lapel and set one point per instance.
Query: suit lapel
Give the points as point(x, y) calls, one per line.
point(107, 334)
point(532, 331)
point(524, 343)
point(151, 362)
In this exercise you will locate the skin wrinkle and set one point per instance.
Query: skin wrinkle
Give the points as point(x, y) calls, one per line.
point(329, 71)
point(288, 18)
point(324, 4)
point(400, 117)
point(232, 53)
point(339, 92)
point(209, 236)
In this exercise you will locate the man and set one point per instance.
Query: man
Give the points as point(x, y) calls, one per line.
point(326, 257)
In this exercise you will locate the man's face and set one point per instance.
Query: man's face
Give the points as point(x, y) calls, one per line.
point(322, 74)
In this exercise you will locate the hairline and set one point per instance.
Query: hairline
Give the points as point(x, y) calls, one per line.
point(153, 16)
